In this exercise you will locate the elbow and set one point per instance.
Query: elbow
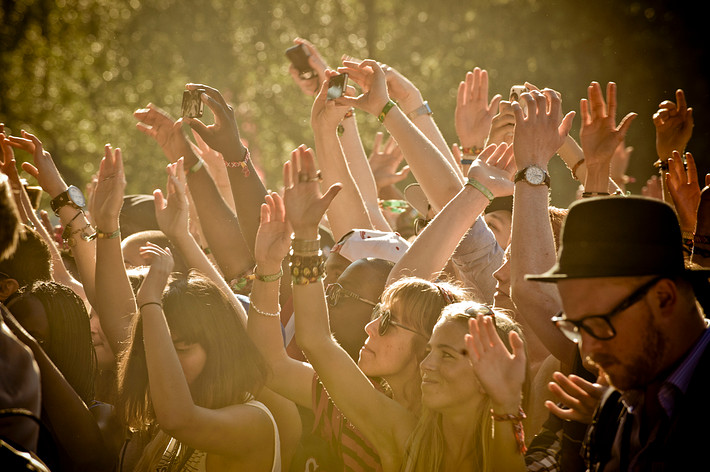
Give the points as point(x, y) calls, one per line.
point(174, 422)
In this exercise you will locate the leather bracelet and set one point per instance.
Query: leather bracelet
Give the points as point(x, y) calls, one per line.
point(594, 194)
point(517, 421)
point(150, 303)
point(306, 269)
point(270, 277)
point(386, 109)
point(575, 167)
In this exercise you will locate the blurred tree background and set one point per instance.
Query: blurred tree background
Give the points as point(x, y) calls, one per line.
point(73, 71)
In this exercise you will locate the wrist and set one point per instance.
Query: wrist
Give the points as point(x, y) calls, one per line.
point(263, 268)
point(308, 234)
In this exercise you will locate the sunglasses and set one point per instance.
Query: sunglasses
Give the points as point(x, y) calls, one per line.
point(599, 326)
point(334, 292)
point(386, 320)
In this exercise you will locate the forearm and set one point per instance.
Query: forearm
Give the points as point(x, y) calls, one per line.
point(116, 306)
point(433, 247)
point(221, 227)
point(362, 174)
point(169, 391)
point(347, 211)
point(433, 171)
point(84, 251)
point(248, 191)
point(195, 258)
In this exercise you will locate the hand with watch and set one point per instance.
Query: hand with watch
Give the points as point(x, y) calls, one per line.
point(538, 135)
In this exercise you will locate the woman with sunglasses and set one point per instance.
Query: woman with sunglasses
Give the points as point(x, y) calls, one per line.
point(397, 336)
point(466, 381)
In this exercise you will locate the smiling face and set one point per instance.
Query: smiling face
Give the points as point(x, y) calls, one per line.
point(448, 379)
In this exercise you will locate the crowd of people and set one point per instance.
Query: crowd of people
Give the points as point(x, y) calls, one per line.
point(347, 323)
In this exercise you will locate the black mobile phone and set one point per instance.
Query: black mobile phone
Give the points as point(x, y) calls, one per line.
point(192, 105)
point(336, 86)
point(298, 55)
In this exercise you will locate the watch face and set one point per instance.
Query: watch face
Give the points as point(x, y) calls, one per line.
point(534, 175)
point(76, 196)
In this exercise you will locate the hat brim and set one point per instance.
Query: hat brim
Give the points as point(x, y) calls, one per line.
point(553, 275)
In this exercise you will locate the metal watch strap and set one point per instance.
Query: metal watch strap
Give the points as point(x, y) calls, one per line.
point(425, 109)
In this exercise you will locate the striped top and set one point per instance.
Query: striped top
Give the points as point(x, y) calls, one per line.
point(357, 454)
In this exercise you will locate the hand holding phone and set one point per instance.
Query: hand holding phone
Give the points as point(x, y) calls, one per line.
point(192, 105)
point(336, 86)
point(515, 92)
point(298, 55)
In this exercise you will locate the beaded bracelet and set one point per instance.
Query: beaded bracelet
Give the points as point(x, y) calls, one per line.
point(239, 283)
point(471, 151)
point(518, 431)
point(266, 313)
point(388, 106)
point(306, 269)
point(104, 235)
point(240, 164)
point(481, 188)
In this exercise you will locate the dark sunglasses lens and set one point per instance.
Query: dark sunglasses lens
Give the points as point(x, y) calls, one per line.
point(332, 294)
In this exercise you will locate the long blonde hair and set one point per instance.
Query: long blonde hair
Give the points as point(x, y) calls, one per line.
point(425, 447)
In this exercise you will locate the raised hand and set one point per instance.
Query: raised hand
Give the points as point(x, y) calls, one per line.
point(600, 136)
point(273, 238)
point(44, 169)
point(500, 372)
point(171, 211)
point(502, 126)
point(384, 161)
point(674, 126)
point(579, 397)
point(494, 168)
point(474, 113)
point(157, 124)
point(620, 164)
point(304, 203)
point(107, 196)
point(540, 134)
point(684, 189)
point(371, 78)
point(223, 135)
point(653, 188)
point(309, 86)
point(161, 265)
point(328, 113)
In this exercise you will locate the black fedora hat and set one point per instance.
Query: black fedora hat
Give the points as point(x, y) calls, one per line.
point(618, 237)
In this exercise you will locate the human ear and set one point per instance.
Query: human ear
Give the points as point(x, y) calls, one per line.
point(7, 288)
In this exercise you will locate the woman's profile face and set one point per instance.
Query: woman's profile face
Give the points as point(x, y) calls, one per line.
point(392, 353)
point(192, 358)
point(448, 380)
point(104, 354)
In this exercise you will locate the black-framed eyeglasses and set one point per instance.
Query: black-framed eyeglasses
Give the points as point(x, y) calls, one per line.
point(333, 292)
point(599, 326)
point(386, 320)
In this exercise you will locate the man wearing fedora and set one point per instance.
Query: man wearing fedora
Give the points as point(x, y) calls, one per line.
point(630, 304)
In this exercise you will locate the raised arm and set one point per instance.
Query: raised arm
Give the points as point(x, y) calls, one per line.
point(289, 377)
point(117, 305)
point(236, 430)
point(348, 210)
point(537, 137)
point(378, 417)
point(172, 216)
point(437, 175)
point(489, 176)
point(78, 230)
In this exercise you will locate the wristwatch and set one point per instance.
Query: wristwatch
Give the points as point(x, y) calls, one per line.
point(71, 196)
point(534, 175)
point(424, 109)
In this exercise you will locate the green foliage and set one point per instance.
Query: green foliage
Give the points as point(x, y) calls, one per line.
point(73, 71)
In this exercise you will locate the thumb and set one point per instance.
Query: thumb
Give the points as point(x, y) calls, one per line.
point(198, 126)
point(159, 200)
point(30, 169)
point(330, 194)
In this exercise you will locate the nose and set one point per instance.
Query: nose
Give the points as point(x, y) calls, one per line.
point(372, 327)
point(502, 275)
point(427, 363)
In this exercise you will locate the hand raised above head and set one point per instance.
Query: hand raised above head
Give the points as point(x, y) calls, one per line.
point(223, 135)
point(273, 238)
point(304, 203)
point(371, 78)
point(474, 113)
point(171, 210)
point(540, 133)
point(327, 113)
point(494, 169)
point(674, 126)
point(44, 169)
point(600, 136)
point(384, 161)
point(684, 189)
point(107, 197)
point(502, 128)
point(311, 85)
point(157, 124)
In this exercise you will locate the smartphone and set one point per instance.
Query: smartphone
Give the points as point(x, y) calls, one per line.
point(298, 55)
point(336, 86)
point(192, 105)
point(515, 92)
